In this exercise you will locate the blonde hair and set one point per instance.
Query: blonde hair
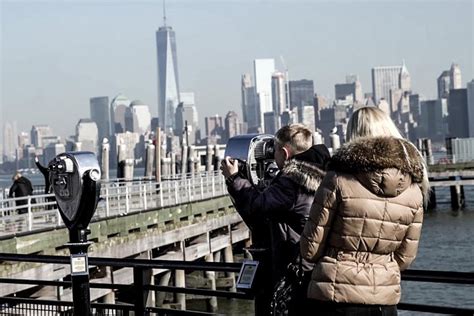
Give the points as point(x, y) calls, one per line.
point(371, 122)
point(297, 136)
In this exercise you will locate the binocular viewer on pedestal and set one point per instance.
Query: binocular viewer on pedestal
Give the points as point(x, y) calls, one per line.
point(75, 179)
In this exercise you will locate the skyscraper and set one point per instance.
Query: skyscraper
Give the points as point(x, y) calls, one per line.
point(168, 80)
point(263, 70)
point(404, 79)
point(118, 107)
point(9, 141)
point(186, 113)
point(458, 113)
point(443, 84)
point(100, 114)
point(354, 86)
point(470, 107)
point(455, 77)
point(384, 79)
point(214, 129)
point(301, 93)
point(140, 118)
point(432, 119)
point(278, 93)
point(250, 110)
point(232, 125)
point(87, 134)
point(38, 132)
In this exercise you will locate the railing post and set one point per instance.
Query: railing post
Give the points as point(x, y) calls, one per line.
point(127, 206)
point(176, 187)
point(145, 205)
point(213, 187)
point(30, 215)
point(202, 189)
point(161, 193)
point(141, 278)
point(190, 194)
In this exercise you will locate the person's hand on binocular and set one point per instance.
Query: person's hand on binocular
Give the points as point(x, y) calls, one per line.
point(229, 167)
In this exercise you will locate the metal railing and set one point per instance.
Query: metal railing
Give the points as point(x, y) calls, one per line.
point(38, 212)
point(137, 291)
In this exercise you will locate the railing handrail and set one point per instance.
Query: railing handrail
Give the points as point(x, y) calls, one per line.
point(23, 215)
point(437, 276)
point(127, 263)
point(144, 264)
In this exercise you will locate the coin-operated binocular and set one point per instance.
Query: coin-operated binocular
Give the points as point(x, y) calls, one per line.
point(255, 154)
point(75, 180)
point(75, 177)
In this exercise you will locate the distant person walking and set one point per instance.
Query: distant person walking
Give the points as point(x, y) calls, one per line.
point(47, 183)
point(21, 187)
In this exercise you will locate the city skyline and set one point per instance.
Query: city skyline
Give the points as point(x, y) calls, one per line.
point(121, 57)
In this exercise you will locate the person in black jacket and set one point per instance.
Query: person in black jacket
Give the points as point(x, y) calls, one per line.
point(277, 215)
point(21, 187)
point(47, 184)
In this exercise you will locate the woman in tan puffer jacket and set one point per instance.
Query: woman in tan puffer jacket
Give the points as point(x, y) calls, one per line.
point(365, 221)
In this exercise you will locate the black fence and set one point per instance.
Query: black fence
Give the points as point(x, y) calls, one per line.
point(141, 286)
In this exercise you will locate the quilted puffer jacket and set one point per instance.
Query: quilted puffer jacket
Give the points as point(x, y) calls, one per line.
point(365, 222)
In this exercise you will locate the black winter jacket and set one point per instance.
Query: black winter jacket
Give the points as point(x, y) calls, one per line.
point(277, 215)
point(21, 187)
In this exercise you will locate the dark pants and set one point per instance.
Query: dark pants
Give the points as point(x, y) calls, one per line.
point(334, 309)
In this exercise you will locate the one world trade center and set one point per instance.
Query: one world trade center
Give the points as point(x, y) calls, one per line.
point(168, 82)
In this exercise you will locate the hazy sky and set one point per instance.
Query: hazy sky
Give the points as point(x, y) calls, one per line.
point(55, 55)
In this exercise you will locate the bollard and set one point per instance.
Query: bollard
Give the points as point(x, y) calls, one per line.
point(128, 169)
point(209, 158)
point(457, 195)
point(184, 160)
point(429, 152)
point(335, 142)
point(217, 158)
point(173, 165)
point(105, 159)
point(432, 200)
point(121, 157)
point(149, 157)
point(191, 165)
point(317, 138)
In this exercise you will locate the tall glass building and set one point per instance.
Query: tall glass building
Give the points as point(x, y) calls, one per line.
point(384, 79)
point(168, 82)
point(100, 114)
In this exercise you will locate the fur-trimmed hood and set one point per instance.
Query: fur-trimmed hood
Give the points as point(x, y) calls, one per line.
point(372, 158)
point(307, 168)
